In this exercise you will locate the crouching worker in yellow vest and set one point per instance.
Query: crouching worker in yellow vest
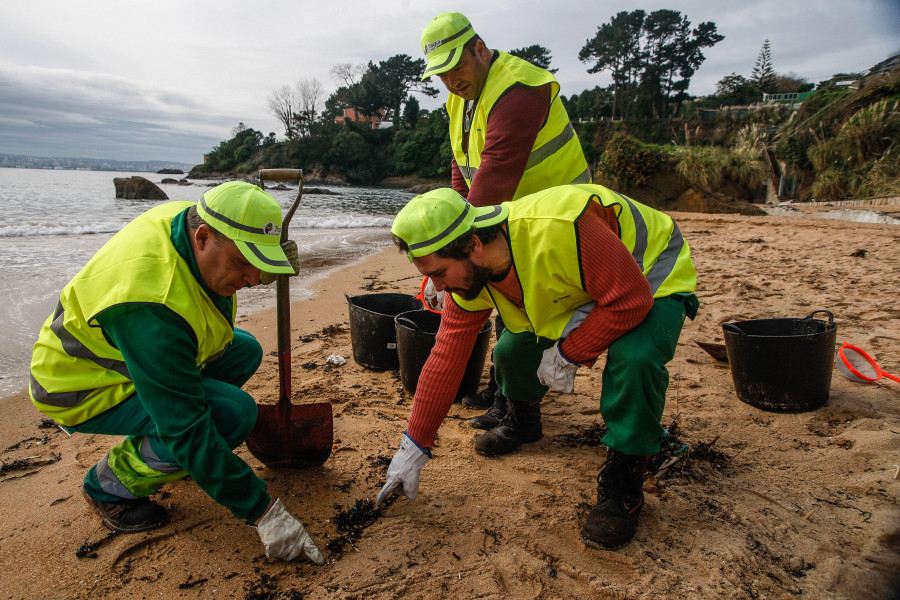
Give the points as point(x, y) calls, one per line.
point(143, 344)
point(574, 271)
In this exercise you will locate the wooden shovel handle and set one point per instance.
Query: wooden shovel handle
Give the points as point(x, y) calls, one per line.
point(280, 174)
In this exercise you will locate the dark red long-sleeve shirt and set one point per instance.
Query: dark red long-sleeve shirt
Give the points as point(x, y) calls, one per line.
point(513, 126)
point(612, 278)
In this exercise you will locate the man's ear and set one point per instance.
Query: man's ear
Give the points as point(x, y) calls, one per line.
point(203, 236)
point(482, 50)
point(475, 249)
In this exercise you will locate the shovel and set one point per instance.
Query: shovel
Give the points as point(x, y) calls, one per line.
point(286, 434)
point(717, 351)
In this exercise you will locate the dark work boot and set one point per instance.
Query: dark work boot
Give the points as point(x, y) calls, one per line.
point(485, 398)
point(130, 516)
point(520, 425)
point(492, 417)
point(613, 521)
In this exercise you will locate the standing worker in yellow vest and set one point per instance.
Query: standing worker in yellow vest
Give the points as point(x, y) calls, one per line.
point(574, 271)
point(509, 132)
point(143, 344)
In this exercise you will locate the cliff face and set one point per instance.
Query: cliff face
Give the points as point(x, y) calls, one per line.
point(667, 191)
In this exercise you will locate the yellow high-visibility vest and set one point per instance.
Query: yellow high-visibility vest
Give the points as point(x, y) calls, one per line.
point(544, 243)
point(75, 373)
point(556, 157)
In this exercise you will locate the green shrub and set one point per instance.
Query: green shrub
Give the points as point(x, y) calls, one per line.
point(626, 162)
point(869, 132)
point(883, 179)
point(830, 184)
point(702, 167)
point(747, 167)
point(426, 151)
point(823, 154)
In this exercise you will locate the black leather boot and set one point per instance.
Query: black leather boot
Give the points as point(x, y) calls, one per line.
point(494, 414)
point(613, 521)
point(485, 398)
point(130, 516)
point(520, 425)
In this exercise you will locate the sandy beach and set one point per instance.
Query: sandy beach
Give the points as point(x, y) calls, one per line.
point(762, 505)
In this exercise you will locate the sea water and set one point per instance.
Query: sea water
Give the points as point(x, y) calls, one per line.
point(52, 222)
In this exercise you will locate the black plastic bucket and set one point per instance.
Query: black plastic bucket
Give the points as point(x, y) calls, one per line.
point(372, 332)
point(782, 365)
point(416, 333)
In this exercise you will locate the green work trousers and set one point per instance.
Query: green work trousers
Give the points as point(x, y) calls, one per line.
point(635, 377)
point(141, 459)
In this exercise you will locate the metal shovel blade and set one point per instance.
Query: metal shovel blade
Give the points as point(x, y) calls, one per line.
point(295, 436)
point(717, 351)
point(289, 435)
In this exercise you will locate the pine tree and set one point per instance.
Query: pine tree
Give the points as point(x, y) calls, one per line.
point(763, 73)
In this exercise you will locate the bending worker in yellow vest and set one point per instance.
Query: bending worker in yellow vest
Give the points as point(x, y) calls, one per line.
point(143, 344)
point(574, 271)
point(509, 132)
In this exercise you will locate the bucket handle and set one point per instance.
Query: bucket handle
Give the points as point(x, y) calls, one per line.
point(830, 316)
point(408, 322)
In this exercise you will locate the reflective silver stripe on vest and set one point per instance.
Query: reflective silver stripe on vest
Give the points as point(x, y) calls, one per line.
point(583, 178)
point(665, 262)
point(74, 348)
point(60, 399)
point(233, 223)
point(152, 460)
point(109, 483)
point(640, 232)
point(468, 172)
point(443, 234)
point(551, 147)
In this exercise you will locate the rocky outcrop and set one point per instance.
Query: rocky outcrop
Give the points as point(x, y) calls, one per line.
point(138, 188)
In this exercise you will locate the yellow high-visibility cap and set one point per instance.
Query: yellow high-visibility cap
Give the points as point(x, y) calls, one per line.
point(431, 221)
point(251, 218)
point(443, 40)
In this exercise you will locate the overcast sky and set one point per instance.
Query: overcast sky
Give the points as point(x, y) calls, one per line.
point(170, 79)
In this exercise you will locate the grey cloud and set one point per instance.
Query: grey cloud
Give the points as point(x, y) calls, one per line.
point(63, 111)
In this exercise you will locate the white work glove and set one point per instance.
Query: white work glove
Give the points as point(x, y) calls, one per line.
point(284, 536)
point(556, 371)
point(290, 251)
point(404, 469)
point(430, 297)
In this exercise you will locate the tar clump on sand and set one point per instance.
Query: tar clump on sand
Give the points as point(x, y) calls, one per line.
point(677, 456)
point(586, 436)
point(266, 589)
point(89, 549)
point(352, 522)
